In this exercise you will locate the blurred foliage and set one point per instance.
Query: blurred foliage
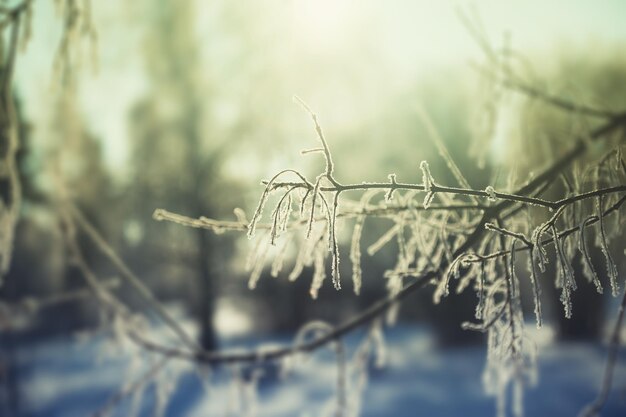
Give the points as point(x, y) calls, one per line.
point(205, 91)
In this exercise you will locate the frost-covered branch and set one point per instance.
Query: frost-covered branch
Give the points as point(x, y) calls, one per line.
point(456, 229)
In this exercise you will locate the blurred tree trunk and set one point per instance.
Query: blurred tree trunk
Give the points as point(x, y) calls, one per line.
point(173, 164)
point(208, 338)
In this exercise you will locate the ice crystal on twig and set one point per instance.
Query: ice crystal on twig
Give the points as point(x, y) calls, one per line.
point(427, 182)
point(491, 193)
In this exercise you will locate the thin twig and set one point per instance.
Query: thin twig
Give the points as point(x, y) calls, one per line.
point(260, 355)
point(130, 277)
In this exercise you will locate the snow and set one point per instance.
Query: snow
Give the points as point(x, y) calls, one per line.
point(67, 378)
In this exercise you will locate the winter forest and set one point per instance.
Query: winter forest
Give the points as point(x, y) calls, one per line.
point(343, 208)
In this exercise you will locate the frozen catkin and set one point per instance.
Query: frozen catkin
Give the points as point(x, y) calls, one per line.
point(256, 261)
point(610, 264)
point(566, 275)
point(280, 216)
point(442, 289)
point(279, 258)
point(306, 253)
point(314, 197)
point(480, 292)
point(539, 253)
point(355, 254)
point(536, 288)
point(269, 187)
point(427, 182)
point(334, 244)
point(319, 271)
point(588, 269)
point(383, 240)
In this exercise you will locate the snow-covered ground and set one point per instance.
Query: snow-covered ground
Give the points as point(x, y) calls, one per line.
point(70, 377)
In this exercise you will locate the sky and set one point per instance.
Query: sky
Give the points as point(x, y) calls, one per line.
point(395, 43)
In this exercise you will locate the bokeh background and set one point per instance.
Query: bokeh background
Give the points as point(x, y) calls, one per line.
point(187, 106)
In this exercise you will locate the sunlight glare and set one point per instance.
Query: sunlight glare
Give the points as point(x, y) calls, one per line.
point(229, 321)
point(322, 23)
